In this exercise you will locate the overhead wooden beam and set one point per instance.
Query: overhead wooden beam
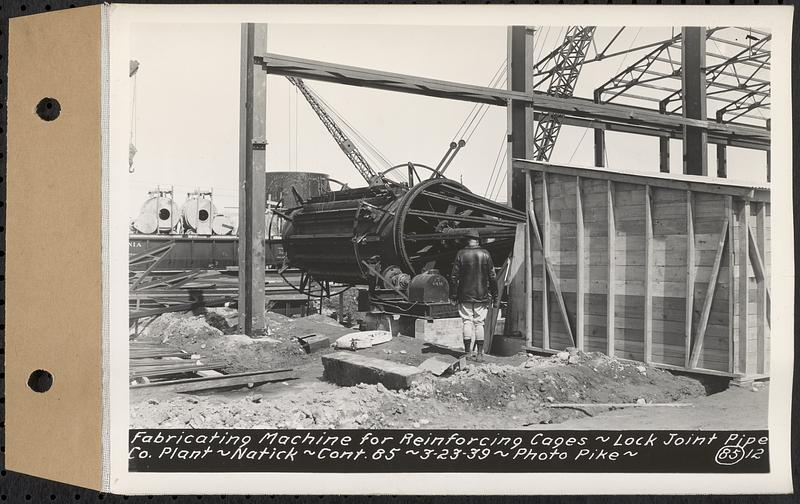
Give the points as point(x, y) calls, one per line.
point(570, 107)
point(252, 181)
point(712, 284)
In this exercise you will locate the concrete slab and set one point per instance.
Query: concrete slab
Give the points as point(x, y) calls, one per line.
point(348, 369)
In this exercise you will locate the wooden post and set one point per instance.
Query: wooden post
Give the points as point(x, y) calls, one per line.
point(690, 276)
point(744, 298)
point(581, 260)
point(528, 263)
point(252, 180)
point(731, 280)
point(762, 288)
point(341, 307)
point(648, 276)
point(611, 297)
point(545, 255)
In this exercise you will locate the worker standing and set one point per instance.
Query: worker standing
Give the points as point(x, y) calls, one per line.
point(474, 286)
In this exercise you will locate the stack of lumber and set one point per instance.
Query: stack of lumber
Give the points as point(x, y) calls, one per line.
point(156, 360)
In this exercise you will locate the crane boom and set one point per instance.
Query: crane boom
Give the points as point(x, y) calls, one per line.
point(569, 59)
point(348, 147)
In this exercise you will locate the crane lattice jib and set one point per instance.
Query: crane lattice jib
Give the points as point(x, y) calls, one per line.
point(566, 69)
point(344, 143)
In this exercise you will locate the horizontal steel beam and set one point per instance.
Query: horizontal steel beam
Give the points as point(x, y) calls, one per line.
point(569, 107)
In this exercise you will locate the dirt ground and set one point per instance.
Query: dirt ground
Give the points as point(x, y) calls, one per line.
point(509, 393)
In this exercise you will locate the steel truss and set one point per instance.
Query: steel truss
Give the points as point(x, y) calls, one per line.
point(737, 82)
point(568, 61)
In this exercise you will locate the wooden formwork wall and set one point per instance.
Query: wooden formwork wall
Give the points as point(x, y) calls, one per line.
point(670, 271)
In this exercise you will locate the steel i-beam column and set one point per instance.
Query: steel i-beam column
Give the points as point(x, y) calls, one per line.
point(520, 114)
point(663, 144)
point(693, 61)
point(599, 137)
point(520, 145)
point(252, 180)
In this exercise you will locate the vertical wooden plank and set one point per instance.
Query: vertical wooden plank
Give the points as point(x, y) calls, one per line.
point(762, 289)
point(528, 263)
point(581, 260)
point(648, 276)
point(731, 280)
point(545, 256)
point(743, 297)
point(612, 236)
point(690, 275)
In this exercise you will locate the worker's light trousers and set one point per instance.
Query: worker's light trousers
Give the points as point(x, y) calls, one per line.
point(473, 316)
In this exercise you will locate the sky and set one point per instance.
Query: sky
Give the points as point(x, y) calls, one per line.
point(186, 106)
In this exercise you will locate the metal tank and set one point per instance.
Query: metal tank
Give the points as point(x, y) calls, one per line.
point(158, 214)
point(352, 236)
point(198, 213)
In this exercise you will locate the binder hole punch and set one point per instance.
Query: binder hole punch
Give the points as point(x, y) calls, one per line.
point(40, 381)
point(48, 109)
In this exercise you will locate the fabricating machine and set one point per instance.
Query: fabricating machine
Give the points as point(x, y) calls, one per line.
point(397, 240)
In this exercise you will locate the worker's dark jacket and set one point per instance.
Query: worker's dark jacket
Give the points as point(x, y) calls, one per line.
point(473, 279)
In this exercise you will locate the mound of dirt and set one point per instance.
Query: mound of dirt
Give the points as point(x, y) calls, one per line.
point(212, 335)
point(485, 395)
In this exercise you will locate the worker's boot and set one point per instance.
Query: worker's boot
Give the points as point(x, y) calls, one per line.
point(479, 345)
point(467, 346)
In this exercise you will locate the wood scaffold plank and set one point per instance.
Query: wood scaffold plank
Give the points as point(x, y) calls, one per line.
point(744, 295)
point(690, 275)
point(581, 259)
point(712, 283)
point(648, 278)
point(610, 297)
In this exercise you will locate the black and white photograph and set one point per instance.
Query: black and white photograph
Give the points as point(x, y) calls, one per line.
point(438, 230)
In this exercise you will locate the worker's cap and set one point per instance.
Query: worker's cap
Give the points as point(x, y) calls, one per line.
point(472, 234)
